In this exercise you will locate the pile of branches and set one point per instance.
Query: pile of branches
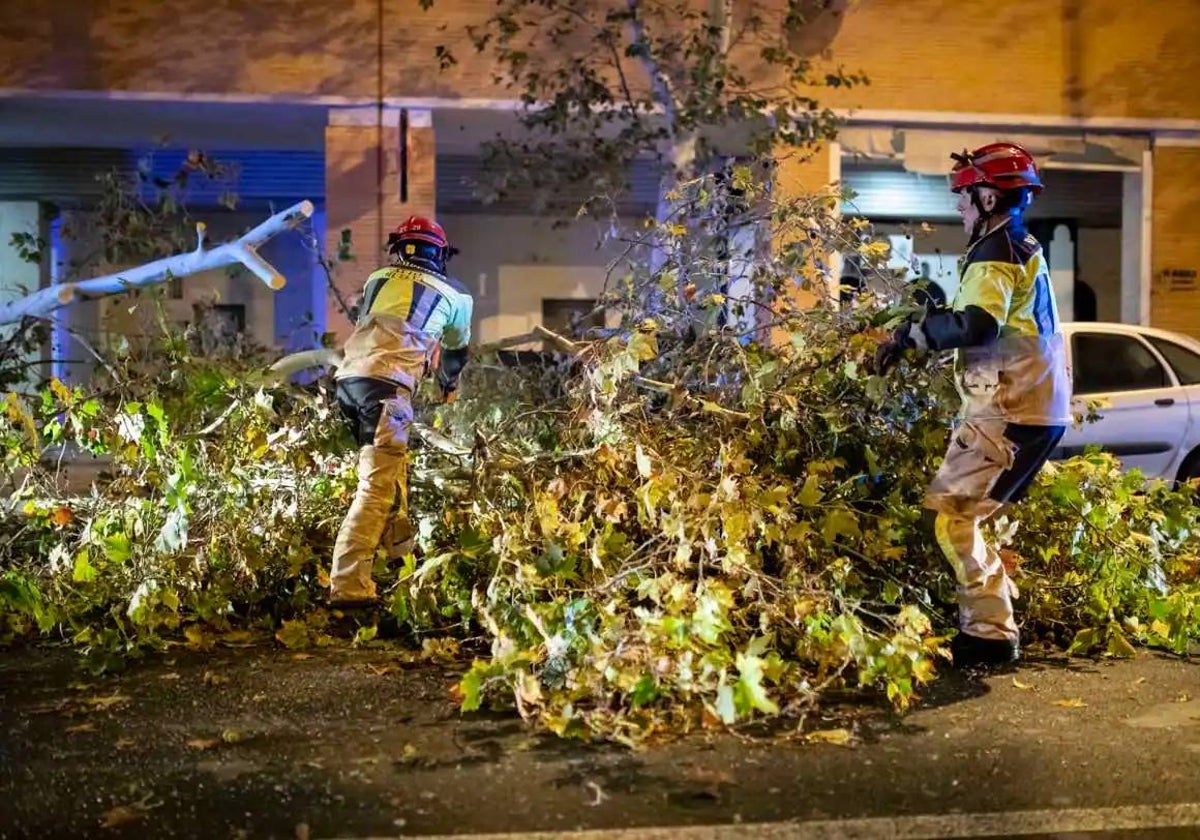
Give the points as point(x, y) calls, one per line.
point(669, 524)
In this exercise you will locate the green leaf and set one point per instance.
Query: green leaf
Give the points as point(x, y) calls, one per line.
point(891, 592)
point(644, 692)
point(117, 548)
point(471, 686)
point(1118, 645)
point(749, 692)
point(1084, 640)
point(84, 571)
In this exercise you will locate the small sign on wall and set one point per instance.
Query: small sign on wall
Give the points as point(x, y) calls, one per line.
point(1177, 279)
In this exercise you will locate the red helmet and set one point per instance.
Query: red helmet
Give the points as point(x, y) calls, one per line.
point(419, 229)
point(1003, 166)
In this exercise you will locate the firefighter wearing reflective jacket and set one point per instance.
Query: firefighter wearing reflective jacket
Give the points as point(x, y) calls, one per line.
point(1012, 378)
point(413, 318)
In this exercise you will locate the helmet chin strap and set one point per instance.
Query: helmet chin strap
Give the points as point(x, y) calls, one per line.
point(981, 221)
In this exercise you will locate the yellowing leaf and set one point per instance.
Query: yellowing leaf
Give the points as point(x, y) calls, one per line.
point(196, 639)
point(203, 743)
point(810, 493)
point(1119, 646)
point(121, 815)
point(294, 635)
point(839, 522)
point(364, 635)
point(106, 702)
point(839, 737)
point(1023, 686)
point(238, 638)
point(81, 727)
point(1071, 703)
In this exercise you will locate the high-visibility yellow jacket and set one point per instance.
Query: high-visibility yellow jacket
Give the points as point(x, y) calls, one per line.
point(409, 316)
point(1010, 356)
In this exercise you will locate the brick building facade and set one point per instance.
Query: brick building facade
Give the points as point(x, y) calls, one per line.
point(1101, 87)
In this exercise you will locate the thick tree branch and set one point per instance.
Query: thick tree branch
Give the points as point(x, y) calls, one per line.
point(243, 250)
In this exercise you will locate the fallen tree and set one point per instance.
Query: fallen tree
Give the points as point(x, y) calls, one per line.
point(669, 527)
point(243, 251)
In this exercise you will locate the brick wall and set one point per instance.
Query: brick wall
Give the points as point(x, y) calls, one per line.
point(362, 191)
point(797, 177)
point(1088, 57)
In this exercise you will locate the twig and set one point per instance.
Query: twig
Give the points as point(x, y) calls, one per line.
point(86, 345)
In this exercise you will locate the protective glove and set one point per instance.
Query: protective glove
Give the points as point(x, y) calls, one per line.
point(889, 352)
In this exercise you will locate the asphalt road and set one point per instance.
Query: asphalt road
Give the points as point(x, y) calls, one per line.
point(259, 743)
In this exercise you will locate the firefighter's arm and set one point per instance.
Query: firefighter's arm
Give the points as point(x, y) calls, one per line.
point(455, 353)
point(980, 308)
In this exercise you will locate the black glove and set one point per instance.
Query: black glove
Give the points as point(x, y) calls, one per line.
point(889, 353)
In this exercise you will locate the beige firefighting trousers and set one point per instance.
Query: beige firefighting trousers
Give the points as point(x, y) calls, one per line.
point(960, 494)
point(380, 506)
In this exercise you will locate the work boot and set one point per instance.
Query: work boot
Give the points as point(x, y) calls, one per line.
point(347, 617)
point(976, 652)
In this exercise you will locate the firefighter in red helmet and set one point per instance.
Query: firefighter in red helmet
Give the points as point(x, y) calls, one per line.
point(1011, 376)
point(413, 318)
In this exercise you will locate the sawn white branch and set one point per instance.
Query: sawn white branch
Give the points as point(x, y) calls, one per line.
point(243, 250)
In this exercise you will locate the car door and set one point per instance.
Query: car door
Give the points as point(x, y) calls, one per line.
point(1143, 413)
point(1182, 355)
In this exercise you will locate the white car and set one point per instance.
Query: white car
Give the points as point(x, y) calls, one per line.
point(1148, 383)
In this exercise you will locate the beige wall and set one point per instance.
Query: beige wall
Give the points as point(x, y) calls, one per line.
point(512, 263)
